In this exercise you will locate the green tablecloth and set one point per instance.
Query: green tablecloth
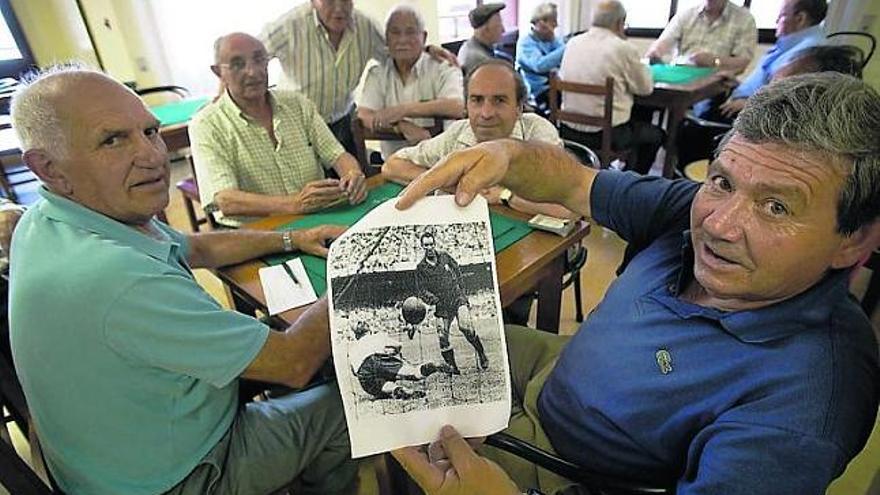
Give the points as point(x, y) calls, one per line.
point(678, 74)
point(505, 231)
point(178, 112)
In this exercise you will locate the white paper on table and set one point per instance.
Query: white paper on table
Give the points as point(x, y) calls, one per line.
point(280, 290)
point(370, 271)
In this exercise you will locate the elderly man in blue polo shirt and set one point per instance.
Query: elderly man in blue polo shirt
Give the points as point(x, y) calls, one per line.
point(129, 367)
point(729, 356)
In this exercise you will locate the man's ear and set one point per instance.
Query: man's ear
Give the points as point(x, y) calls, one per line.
point(858, 246)
point(216, 70)
point(44, 167)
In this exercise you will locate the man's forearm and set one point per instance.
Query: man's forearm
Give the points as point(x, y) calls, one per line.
point(346, 164)
point(233, 202)
point(216, 249)
point(734, 64)
point(400, 170)
point(443, 107)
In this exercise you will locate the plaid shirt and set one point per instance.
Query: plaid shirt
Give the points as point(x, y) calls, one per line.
point(311, 65)
point(733, 34)
point(231, 151)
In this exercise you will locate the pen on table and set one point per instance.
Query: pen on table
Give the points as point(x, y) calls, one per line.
point(290, 273)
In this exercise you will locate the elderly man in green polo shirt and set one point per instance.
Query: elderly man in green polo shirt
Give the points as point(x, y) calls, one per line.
point(261, 152)
point(129, 367)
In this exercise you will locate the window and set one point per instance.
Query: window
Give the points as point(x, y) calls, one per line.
point(453, 18)
point(15, 55)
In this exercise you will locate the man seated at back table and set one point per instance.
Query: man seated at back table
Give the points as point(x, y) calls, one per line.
point(129, 367)
point(263, 152)
point(729, 356)
point(494, 98)
point(408, 85)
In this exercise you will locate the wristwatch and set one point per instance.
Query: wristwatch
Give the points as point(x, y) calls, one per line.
point(505, 196)
point(287, 242)
point(716, 62)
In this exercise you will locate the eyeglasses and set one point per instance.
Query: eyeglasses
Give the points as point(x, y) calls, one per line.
point(240, 64)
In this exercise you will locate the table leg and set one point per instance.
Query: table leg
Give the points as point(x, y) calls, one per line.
point(550, 296)
point(676, 115)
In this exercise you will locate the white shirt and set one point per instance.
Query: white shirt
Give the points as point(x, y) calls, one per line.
point(592, 57)
point(429, 80)
point(366, 346)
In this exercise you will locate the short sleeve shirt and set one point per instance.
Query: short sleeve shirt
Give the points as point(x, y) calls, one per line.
point(429, 80)
point(460, 136)
point(327, 76)
point(129, 367)
point(733, 34)
point(231, 151)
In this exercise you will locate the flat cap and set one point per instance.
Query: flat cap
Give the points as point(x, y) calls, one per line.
point(481, 14)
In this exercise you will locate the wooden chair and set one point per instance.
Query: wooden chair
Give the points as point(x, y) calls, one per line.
point(558, 87)
point(362, 134)
point(189, 192)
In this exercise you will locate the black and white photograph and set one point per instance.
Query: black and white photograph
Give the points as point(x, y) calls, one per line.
point(417, 334)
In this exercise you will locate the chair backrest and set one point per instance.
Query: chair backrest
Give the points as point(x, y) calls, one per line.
point(872, 41)
point(171, 88)
point(16, 476)
point(361, 134)
point(558, 87)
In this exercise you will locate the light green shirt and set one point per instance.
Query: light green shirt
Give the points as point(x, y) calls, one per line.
point(231, 151)
point(459, 136)
point(129, 367)
point(311, 64)
point(428, 80)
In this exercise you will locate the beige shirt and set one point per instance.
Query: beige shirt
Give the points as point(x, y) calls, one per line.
point(232, 151)
point(733, 34)
point(592, 57)
point(460, 136)
point(311, 64)
point(429, 80)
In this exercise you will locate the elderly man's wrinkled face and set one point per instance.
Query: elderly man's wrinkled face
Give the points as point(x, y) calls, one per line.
point(335, 15)
point(117, 163)
point(243, 67)
point(764, 224)
point(494, 28)
point(545, 29)
point(492, 106)
point(790, 20)
point(404, 38)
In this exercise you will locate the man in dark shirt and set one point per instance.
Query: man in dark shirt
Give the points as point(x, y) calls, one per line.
point(729, 356)
point(438, 278)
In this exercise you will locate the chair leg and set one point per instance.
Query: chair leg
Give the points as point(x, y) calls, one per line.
point(578, 305)
point(190, 213)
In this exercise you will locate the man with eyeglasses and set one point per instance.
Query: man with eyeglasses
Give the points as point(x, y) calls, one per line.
point(323, 47)
point(261, 152)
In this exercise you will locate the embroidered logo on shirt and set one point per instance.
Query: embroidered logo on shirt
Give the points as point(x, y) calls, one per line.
point(664, 361)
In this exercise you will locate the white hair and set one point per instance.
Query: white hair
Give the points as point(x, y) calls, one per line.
point(404, 8)
point(544, 11)
point(34, 107)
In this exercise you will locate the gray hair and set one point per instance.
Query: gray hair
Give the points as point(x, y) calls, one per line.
point(829, 113)
point(544, 11)
point(608, 13)
point(220, 41)
point(403, 8)
point(34, 108)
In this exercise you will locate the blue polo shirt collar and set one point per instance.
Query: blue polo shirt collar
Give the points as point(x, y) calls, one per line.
point(64, 210)
point(789, 40)
point(777, 321)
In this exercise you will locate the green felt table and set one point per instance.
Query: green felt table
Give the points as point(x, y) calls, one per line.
point(678, 74)
point(505, 230)
point(178, 112)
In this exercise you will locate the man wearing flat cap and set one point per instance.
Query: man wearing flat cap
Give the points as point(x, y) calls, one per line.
point(488, 30)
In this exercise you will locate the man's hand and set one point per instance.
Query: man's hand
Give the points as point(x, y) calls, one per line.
point(467, 171)
point(731, 108)
point(387, 117)
point(443, 55)
point(8, 220)
point(413, 133)
point(318, 194)
point(492, 195)
point(462, 472)
point(703, 59)
point(315, 240)
point(355, 186)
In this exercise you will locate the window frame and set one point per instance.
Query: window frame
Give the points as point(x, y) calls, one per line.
point(15, 68)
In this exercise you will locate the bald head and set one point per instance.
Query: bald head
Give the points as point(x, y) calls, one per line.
point(608, 14)
point(228, 41)
point(42, 109)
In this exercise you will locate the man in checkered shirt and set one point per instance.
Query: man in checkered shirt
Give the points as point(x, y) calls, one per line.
point(261, 152)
